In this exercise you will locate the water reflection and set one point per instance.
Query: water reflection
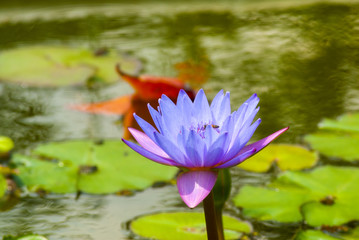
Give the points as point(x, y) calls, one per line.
point(301, 60)
point(18, 104)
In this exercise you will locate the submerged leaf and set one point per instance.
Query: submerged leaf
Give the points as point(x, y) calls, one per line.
point(297, 196)
point(184, 225)
point(287, 157)
point(85, 166)
point(60, 66)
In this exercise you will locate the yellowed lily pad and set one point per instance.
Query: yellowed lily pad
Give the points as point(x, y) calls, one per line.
point(184, 225)
point(287, 157)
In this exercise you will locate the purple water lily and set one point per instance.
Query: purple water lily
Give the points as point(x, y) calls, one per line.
point(199, 139)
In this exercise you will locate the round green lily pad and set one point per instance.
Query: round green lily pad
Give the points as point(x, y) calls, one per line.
point(337, 138)
point(184, 225)
point(287, 157)
point(61, 66)
point(92, 167)
point(352, 234)
point(325, 196)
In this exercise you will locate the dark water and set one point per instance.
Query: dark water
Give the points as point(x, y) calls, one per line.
point(301, 59)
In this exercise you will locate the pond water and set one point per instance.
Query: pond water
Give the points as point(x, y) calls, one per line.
point(301, 58)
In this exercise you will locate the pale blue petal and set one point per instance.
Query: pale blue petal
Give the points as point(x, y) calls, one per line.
point(195, 150)
point(221, 110)
point(171, 117)
point(216, 151)
point(146, 127)
point(171, 149)
point(241, 140)
point(194, 186)
point(156, 117)
point(201, 108)
point(216, 103)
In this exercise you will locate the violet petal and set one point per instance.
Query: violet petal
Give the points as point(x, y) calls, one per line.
point(194, 186)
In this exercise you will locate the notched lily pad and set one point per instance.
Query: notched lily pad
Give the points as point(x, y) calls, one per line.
point(61, 66)
point(82, 165)
point(325, 196)
point(337, 138)
point(184, 225)
point(287, 157)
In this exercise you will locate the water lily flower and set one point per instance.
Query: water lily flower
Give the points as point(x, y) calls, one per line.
point(199, 138)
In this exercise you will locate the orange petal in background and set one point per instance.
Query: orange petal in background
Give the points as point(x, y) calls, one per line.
point(118, 106)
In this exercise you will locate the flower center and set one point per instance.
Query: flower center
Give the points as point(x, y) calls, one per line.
point(201, 128)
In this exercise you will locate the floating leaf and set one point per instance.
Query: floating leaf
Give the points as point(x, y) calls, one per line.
point(63, 167)
point(287, 157)
point(336, 144)
point(6, 145)
point(60, 66)
point(325, 196)
point(3, 186)
point(337, 138)
point(319, 235)
point(184, 225)
point(27, 237)
point(347, 122)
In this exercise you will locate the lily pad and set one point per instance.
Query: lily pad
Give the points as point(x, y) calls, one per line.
point(184, 225)
point(347, 122)
point(27, 237)
point(319, 235)
point(287, 157)
point(6, 145)
point(325, 196)
point(98, 168)
point(61, 66)
point(3, 186)
point(337, 138)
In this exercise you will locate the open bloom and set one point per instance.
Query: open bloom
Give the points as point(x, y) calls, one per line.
point(199, 138)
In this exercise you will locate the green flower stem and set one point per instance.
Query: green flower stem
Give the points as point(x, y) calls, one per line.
point(213, 221)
